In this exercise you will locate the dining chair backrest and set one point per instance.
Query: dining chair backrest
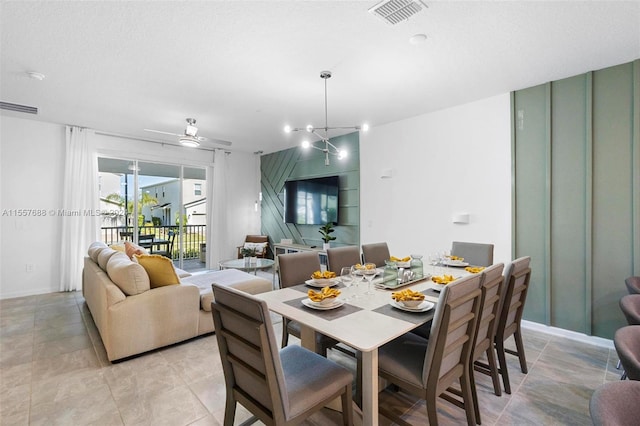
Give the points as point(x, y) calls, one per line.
point(340, 257)
point(375, 253)
point(491, 286)
point(633, 285)
point(250, 360)
point(452, 333)
point(477, 254)
point(630, 307)
point(626, 340)
point(296, 268)
point(516, 284)
point(279, 387)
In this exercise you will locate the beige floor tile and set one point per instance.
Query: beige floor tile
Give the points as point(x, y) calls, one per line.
point(54, 371)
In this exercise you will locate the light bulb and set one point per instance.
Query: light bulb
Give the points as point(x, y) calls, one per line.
point(365, 127)
point(309, 128)
point(287, 129)
point(305, 144)
point(342, 154)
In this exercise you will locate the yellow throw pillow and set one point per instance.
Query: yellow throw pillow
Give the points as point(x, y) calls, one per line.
point(159, 268)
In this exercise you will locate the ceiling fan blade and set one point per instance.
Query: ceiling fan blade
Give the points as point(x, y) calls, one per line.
point(164, 133)
point(216, 141)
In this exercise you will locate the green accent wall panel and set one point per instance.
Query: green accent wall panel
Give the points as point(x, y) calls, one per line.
point(294, 163)
point(612, 193)
point(568, 203)
point(531, 192)
point(576, 170)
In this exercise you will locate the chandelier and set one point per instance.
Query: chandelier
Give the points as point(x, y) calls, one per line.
point(325, 146)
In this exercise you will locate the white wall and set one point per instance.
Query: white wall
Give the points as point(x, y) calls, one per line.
point(32, 173)
point(451, 161)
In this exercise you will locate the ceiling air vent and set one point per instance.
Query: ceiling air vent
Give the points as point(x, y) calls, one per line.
point(395, 11)
point(18, 108)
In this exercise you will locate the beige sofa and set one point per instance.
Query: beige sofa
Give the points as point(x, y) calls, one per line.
point(133, 317)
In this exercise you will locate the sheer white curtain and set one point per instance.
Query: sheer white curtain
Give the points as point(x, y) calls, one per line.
point(217, 235)
point(79, 194)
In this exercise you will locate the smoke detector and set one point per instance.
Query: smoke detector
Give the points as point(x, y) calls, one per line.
point(395, 11)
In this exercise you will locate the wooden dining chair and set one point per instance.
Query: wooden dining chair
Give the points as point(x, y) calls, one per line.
point(340, 257)
point(476, 254)
point(516, 284)
point(279, 387)
point(294, 269)
point(428, 368)
point(491, 281)
point(375, 253)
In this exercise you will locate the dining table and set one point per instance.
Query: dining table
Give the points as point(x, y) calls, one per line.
point(364, 323)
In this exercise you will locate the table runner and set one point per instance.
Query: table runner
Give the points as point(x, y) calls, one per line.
point(329, 314)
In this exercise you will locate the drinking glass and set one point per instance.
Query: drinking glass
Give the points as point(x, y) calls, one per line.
point(369, 273)
point(347, 279)
point(357, 279)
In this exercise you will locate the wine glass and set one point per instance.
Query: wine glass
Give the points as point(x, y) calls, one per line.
point(347, 279)
point(369, 271)
point(357, 278)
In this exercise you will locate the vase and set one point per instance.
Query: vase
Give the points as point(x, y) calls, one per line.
point(326, 246)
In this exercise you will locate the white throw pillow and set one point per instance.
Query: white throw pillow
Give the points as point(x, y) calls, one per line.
point(259, 247)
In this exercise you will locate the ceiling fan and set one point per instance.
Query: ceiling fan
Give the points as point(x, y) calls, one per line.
point(190, 136)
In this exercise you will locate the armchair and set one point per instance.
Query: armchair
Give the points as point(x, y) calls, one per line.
point(260, 242)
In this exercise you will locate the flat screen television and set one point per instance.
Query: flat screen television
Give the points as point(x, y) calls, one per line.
point(311, 201)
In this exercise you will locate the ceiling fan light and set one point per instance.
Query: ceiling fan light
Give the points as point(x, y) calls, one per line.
point(305, 144)
point(309, 128)
point(342, 154)
point(287, 129)
point(364, 127)
point(189, 141)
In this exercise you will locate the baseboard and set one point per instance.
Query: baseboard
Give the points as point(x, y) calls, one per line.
point(580, 337)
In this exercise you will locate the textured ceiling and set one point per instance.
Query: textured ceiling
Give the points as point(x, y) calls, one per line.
point(245, 69)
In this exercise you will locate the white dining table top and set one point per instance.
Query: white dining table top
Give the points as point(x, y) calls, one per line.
point(364, 329)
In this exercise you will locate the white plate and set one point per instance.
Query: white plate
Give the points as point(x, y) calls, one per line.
point(455, 263)
point(423, 307)
point(309, 304)
point(329, 283)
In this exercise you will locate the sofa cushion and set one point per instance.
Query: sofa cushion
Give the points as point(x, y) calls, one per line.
point(95, 249)
point(239, 280)
point(132, 249)
point(130, 277)
point(159, 268)
point(104, 256)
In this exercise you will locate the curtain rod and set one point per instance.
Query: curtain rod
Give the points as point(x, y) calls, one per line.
point(135, 138)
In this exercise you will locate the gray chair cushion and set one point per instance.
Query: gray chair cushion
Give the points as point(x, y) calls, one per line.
point(404, 357)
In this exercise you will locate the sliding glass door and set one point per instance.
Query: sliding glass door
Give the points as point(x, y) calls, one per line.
point(159, 206)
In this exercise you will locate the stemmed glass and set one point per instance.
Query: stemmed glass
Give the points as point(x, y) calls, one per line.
point(357, 278)
point(347, 279)
point(369, 271)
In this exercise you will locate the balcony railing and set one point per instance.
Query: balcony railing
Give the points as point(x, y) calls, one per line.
point(193, 237)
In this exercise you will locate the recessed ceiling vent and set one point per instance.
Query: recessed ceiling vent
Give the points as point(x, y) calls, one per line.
point(18, 108)
point(395, 11)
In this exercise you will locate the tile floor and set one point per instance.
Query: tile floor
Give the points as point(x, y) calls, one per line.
point(54, 371)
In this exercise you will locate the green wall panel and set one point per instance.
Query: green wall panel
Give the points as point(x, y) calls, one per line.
point(576, 169)
point(612, 193)
point(568, 279)
point(278, 167)
point(531, 192)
